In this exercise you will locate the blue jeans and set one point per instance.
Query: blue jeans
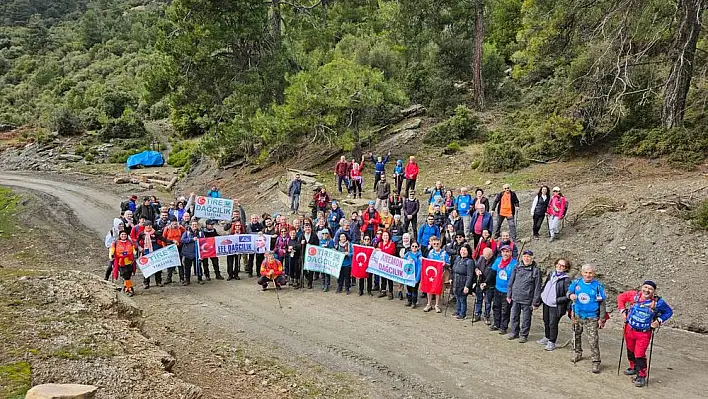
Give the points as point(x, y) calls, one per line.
point(340, 180)
point(483, 296)
point(461, 305)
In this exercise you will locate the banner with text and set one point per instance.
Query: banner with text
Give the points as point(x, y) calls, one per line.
point(392, 268)
point(159, 260)
point(323, 260)
point(212, 247)
point(213, 208)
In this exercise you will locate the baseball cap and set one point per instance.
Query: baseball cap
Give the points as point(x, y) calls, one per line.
point(334, 202)
point(505, 248)
point(133, 197)
point(556, 188)
point(371, 202)
point(528, 252)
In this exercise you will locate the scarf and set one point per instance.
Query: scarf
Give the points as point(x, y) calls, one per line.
point(147, 241)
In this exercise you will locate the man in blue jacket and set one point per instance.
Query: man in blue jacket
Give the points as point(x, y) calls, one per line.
point(498, 278)
point(427, 231)
point(380, 166)
point(463, 204)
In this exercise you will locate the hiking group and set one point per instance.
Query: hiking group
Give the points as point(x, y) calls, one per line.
point(463, 231)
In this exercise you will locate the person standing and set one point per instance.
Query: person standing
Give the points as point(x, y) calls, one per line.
point(505, 205)
point(557, 207)
point(371, 220)
point(379, 166)
point(383, 190)
point(479, 198)
point(411, 174)
point(146, 211)
point(646, 313)
point(149, 241)
point(463, 204)
point(388, 247)
point(415, 256)
point(341, 172)
point(123, 253)
point(294, 190)
point(481, 220)
point(356, 180)
point(326, 242)
point(321, 199)
point(335, 217)
point(189, 253)
point(589, 313)
point(214, 192)
point(539, 207)
point(411, 207)
point(426, 232)
point(395, 203)
point(498, 278)
point(173, 235)
point(309, 238)
point(439, 254)
point(254, 260)
point(398, 173)
point(233, 262)
point(524, 294)
point(555, 302)
point(463, 280)
point(482, 296)
point(293, 258)
point(345, 281)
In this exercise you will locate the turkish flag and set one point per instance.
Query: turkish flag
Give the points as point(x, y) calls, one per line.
point(431, 276)
point(207, 247)
point(360, 260)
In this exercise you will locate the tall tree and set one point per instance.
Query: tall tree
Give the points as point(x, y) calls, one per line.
point(683, 54)
point(478, 46)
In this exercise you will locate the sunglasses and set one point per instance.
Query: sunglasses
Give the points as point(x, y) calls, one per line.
point(561, 264)
point(414, 246)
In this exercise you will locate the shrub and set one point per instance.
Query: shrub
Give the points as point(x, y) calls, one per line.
point(90, 118)
point(182, 154)
point(464, 126)
point(504, 157)
point(65, 122)
point(684, 147)
point(160, 110)
point(700, 215)
point(129, 125)
point(452, 148)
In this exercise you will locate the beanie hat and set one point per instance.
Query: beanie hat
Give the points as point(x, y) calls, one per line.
point(649, 282)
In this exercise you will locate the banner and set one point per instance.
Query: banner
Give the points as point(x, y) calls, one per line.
point(211, 247)
point(323, 260)
point(392, 268)
point(213, 208)
point(360, 260)
point(431, 276)
point(159, 260)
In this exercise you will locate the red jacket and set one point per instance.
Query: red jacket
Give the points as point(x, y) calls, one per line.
point(376, 221)
point(481, 245)
point(341, 168)
point(412, 171)
point(389, 248)
point(322, 199)
point(276, 267)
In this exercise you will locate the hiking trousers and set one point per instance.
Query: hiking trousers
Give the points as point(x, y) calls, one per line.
point(522, 311)
point(501, 310)
point(511, 221)
point(551, 318)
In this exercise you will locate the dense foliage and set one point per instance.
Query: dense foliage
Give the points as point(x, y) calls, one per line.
point(257, 78)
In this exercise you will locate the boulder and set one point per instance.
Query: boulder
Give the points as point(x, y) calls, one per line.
point(70, 157)
point(413, 110)
point(62, 391)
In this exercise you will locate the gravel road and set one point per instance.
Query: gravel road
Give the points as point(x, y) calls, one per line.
point(387, 349)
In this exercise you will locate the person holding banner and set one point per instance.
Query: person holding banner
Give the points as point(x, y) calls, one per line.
point(326, 242)
point(271, 270)
point(463, 280)
point(344, 280)
point(293, 258)
point(233, 262)
point(415, 256)
point(437, 253)
point(309, 238)
point(368, 277)
point(123, 253)
point(210, 231)
point(189, 253)
point(173, 235)
point(387, 246)
point(149, 241)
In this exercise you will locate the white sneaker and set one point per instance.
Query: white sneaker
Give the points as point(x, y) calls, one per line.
point(542, 341)
point(550, 346)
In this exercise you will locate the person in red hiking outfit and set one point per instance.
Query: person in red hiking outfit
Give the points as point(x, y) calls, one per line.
point(372, 220)
point(556, 212)
point(411, 174)
point(485, 241)
point(321, 199)
point(271, 270)
point(341, 171)
point(123, 253)
point(646, 313)
point(173, 234)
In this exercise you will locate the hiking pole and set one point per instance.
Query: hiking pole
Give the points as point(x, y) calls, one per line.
point(651, 348)
point(619, 363)
point(449, 295)
point(474, 290)
point(277, 294)
point(575, 339)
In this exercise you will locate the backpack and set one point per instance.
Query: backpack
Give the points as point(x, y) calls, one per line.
point(124, 206)
point(565, 211)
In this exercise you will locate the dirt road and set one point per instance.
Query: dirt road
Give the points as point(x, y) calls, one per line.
point(375, 347)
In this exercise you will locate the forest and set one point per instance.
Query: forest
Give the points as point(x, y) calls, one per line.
point(253, 78)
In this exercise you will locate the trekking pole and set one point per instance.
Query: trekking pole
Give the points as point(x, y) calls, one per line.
point(277, 294)
point(651, 348)
point(575, 327)
point(447, 303)
point(619, 363)
point(474, 290)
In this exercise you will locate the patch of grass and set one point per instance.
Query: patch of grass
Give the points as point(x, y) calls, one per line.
point(70, 352)
point(700, 215)
point(8, 206)
point(15, 379)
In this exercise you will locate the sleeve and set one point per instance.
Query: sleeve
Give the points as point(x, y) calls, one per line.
point(493, 205)
point(533, 204)
point(537, 289)
point(564, 298)
point(112, 251)
point(514, 200)
point(624, 298)
point(416, 208)
point(491, 279)
point(185, 238)
point(373, 159)
point(385, 161)
point(470, 273)
point(664, 311)
point(188, 207)
point(571, 288)
point(510, 284)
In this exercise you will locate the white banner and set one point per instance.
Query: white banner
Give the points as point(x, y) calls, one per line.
point(213, 208)
point(211, 247)
point(324, 260)
point(159, 260)
point(392, 268)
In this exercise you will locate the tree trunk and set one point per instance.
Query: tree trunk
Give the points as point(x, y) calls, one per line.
point(683, 55)
point(478, 86)
point(276, 22)
point(324, 12)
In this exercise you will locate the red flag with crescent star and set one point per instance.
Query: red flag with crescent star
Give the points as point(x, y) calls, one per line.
point(360, 260)
point(207, 248)
point(431, 276)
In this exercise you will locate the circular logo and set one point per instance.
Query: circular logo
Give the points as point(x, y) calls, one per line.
point(201, 201)
point(463, 205)
point(502, 274)
point(312, 251)
point(143, 261)
point(583, 298)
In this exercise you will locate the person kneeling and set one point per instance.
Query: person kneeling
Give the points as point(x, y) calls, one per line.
point(271, 270)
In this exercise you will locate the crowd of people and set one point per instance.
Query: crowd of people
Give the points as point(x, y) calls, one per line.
point(463, 231)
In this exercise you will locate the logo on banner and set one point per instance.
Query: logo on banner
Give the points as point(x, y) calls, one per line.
point(143, 260)
point(201, 200)
point(312, 251)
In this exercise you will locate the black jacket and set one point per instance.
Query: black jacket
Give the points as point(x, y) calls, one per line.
point(463, 275)
point(145, 211)
point(410, 207)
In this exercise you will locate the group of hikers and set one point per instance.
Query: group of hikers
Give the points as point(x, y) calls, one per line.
point(463, 231)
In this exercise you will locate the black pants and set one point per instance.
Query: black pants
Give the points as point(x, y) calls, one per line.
point(171, 270)
point(109, 269)
point(410, 185)
point(501, 309)
point(368, 280)
point(412, 294)
point(214, 265)
point(356, 187)
point(537, 223)
point(186, 269)
point(551, 318)
point(263, 280)
point(344, 279)
point(386, 285)
point(294, 267)
point(258, 259)
point(377, 177)
point(233, 265)
point(399, 183)
point(475, 240)
point(412, 222)
point(158, 279)
point(309, 276)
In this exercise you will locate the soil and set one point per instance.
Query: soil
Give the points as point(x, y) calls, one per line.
point(233, 340)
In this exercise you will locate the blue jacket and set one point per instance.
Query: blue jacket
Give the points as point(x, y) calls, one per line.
point(380, 166)
point(214, 194)
point(417, 259)
point(398, 169)
point(463, 204)
point(425, 232)
point(487, 222)
point(334, 218)
point(131, 206)
point(189, 247)
point(348, 254)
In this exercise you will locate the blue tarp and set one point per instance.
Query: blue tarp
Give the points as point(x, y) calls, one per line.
point(145, 158)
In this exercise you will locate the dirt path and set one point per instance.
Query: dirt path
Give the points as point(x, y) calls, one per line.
point(379, 348)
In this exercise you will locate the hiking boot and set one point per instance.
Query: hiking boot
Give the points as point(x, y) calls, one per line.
point(493, 328)
point(200, 282)
point(550, 346)
point(400, 295)
point(219, 276)
point(146, 286)
point(347, 292)
point(265, 287)
point(640, 382)
point(409, 303)
point(237, 278)
point(502, 332)
point(339, 291)
point(413, 306)
point(596, 367)
point(159, 284)
point(168, 280)
point(486, 320)
point(512, 337)
point(369, 293)
point(361, 293)
point(390, 296)
point(576, 357)
point(382, 294)
point(229, 278)
point(460, 317)
point(523, 340)
point(309, 285)
point(475, 318)
point(376, 288)
point(325, 288)
point(630, 372)
point(551, 239)
point(130, 293)
point(207, 278)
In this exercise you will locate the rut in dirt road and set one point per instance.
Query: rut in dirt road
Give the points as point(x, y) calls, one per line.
point(406, 352)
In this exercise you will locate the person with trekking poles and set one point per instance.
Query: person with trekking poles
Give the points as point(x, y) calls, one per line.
point(555, 302)
point(271, 270)
point(646, 313)
point(589, 313)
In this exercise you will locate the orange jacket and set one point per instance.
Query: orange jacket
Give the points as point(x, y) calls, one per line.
point(171, 234)
point(275, 266)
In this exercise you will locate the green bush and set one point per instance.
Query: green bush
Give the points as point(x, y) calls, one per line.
point(700, 215)
point(464, 126)
point(90, 118)
point(505, 157)
point(128, 126)
point(65, 122)
point(182, 154)
point(685, 148)
point(122, 156)
point(452, 148)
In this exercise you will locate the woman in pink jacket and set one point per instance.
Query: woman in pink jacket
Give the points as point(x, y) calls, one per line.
point(556, 212)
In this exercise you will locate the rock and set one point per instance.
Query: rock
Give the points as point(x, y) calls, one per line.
point(62, 391)
point(413, 110)
point(623, 247)
point(488, 182)
point(121, 180)
point(251, 372)
point(415, 124)
point(70, 157)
